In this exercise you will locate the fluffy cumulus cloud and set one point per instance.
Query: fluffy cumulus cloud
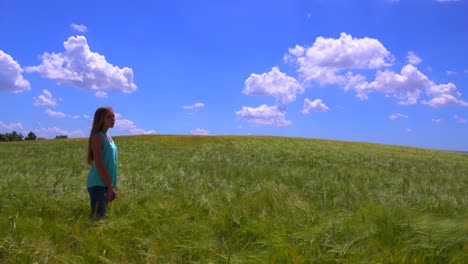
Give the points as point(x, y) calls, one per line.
point(45, 99)
point(194, 106)
point(323, 63)
point(407, 86)
point(51, 132)
point(397, 116)
point(80, 28)
point(265, 115)
point(200, 132)
point(274, 83)
point(129, 126)
point(316, 105)
point(60, 114)
point(10, 127)
point(54, 114)
point(348, 62)
point(444, 95)
point(11, 77)
point(413, 59)
point(327, 57)
point(79, 67)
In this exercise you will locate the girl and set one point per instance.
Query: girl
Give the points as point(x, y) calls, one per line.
point(102, 156)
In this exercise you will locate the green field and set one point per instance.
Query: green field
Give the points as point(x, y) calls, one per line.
point(232, 199)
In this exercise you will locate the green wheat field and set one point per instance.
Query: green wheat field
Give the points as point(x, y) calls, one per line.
point(236, 199)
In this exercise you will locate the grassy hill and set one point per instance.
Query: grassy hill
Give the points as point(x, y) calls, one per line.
point(231, 199)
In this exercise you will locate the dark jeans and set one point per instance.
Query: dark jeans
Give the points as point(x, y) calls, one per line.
point(97, 195)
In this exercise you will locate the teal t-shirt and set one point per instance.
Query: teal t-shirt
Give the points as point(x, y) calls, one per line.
point(109, 154)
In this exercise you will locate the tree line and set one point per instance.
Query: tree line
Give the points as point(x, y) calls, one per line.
point(15, 136)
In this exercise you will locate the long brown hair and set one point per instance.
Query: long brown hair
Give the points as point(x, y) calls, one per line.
point(98, 121)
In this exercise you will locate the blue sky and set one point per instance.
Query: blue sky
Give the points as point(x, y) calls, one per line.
point(391, 72)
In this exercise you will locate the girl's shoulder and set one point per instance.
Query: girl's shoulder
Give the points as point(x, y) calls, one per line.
point(97, 137)
point(101, 137)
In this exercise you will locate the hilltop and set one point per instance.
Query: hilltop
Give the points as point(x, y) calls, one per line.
point(236, 199)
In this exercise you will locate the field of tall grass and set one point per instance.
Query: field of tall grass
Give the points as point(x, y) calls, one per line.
point(233, 199)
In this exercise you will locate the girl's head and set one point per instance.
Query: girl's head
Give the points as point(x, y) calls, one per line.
point(104, 118)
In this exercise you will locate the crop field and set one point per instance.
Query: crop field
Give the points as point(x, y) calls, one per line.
point(236, 199)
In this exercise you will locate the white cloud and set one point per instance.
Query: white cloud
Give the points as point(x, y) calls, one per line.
point(123, 124)
point(316, 105)
point(406, 86)
point(80, 28)
point(413, 59)
point(444, 95)
point(200, 131)
point(101, 95)
point(264, 115)
point(335, 61)
point(79, 67)
point(396, 116)
point(45, 99)
point(274, 83)
point(436, 120)
point(10, 127)
point(445, 100)
point(450, 73)
point(357, 83)
point(60, 114)
point(328, 56)
point(11, 77)
point(194, 106)
point(54, 114)
point(51, 132)
point(460, 119)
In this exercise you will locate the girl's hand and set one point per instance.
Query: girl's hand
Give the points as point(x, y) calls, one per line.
point(110, 194)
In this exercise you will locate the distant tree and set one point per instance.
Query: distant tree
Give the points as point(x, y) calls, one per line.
point(13, 136)
point(61, 137)
point(31, 136)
